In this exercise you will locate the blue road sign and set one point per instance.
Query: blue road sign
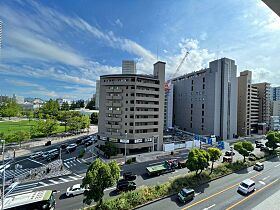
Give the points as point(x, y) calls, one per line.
point(209, 141)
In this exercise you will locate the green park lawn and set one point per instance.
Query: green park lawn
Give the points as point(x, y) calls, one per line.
point(9, 127)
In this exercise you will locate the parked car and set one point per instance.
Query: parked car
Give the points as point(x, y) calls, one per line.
point(229, 153)
point(63, 146)
point(252, 157)
point(259, 145)
point(47, 153)
point(88, 143)
point(36, 155)
point(266, 149)
point(75, 190)
point(257, 142)
point(186, 195)
point(85, 140)
point(78, 141)
point(129, 176)
point(227, 159)
point(71, 147)
point(247, 186)
point(52, 156)
point(258, 166)
point(48, 143)
point(124, 185)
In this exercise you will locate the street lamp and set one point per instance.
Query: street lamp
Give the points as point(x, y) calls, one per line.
point(3, 177)
point(125, 148)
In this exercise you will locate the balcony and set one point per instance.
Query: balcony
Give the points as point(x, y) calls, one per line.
point(117, 112)
point(109, 90)
point(109, 97)
point(109, 104)
point(109, 111)
point(118, 90)
point(117, 104)
point(108, 126)
point(117, 97)
point(116, 126)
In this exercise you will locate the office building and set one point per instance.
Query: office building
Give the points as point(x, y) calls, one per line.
point(131, 110)
point(128, 67)
point(275, 108)
point(274, 123)
point(275, 93)
point(18, 99)
point(248, 105)
point(205, 101)
point(97, 94)
point(168, 105)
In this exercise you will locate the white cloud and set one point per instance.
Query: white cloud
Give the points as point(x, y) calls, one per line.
point(203, 36)
point(119, 23)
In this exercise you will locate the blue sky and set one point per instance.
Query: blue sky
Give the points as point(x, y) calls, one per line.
point(59, 48)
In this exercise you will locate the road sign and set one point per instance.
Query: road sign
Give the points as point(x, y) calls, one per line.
point(221, 144)
point(210, 141)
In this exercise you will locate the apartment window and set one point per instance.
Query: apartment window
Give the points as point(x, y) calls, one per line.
point(131, 116)
point(132, 94)
point(126, 87)
point(132, 101)
point(191, 112)
point(192, 82)
point(191, 125)
point(126, 94)
point(203, 86)
point(202, 120)
point(202, 106)
point(125, 124)
point(202, 113)
point(192, 88)
point(130, 131)
point(126, 102)
point(131, 124)
point(191, 106)
point(125, 131)
point(125, 116)
point(203, 79)
point(191, 118)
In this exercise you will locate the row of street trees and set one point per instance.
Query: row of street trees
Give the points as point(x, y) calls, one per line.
point(10, 109)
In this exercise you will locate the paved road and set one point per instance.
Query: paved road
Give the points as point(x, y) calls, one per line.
point(222, 193)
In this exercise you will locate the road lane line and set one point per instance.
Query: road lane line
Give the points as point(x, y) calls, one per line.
point(26, 185)
point(261, 182)
point(65, 180)
point(55, 182)
point(19, 193)
point(209, 207)
point(150, 164)
point(72, 177)
point(72, 158)
point(249, 196)
point(44, 184)
point(79, 161)
point(250, 172)
point(277, 165)
point(66, 165)
point(217, 193)
point(265, 178)
point(35, 161)
point(111, 188)
point(78, 175)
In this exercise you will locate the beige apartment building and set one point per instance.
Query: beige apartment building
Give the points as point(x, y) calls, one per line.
point(131, 110)
point(253, 105)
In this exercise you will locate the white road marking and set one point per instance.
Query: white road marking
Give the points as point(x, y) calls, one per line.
point(43, 183)
point(265, 178)
point(74, 163)
point(26, 185)
point(77, 175)
point(277, 165)
point(65, 180)
point(209, 207)
point(35, 161)
point(72, 177)
point(111, 188)
point(261, 182)
point(72, 158)
point(250, 172)
point(55, 182)
point(66, 165)
point(196, 194)
point(79, 161)
point(83, 160)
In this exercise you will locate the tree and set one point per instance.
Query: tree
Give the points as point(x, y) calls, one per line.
point(10, 109)
point(94, 118)
point(30, 115)
point(244, 148)
point(91, 104)
point(85, 122)
point(51, 108)
point(99, 176)
point(198, 159)
point(109, 149)
point(46, 127)
point(273, 138)
point(18, 136)
point(215, 155)
point(65, 106)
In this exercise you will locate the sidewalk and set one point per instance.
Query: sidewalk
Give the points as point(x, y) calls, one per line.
point(39, 144)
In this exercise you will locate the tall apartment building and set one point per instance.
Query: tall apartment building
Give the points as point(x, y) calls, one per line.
point(248, 105)
point(128, 67)
point(205, 101)
point(264, 102)
point(132, 108)
point(275, 93)
point(97, 93)
point(275, 108)
point(168, 105)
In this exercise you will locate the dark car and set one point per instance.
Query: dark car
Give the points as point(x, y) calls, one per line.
point(257, 142)
point(129, 176)
point(52, 156)
point(48, 143)
point(85, 140)
point(259, 145)
point(124, 185)
point(88, 143)
point(186, 195)
point(63, 146)
point(71, 147)
point(78, 141)
point(229, 153)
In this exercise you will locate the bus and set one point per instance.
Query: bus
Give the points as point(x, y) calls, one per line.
point(37, 200)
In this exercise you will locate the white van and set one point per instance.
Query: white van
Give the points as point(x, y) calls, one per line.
point(247, 186)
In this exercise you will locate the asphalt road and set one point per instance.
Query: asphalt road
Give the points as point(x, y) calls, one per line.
point(222, 193)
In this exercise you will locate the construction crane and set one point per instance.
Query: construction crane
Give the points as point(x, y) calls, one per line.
point(180, 65)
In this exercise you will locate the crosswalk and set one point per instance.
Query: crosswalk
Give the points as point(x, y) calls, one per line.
point(73, 162)
point(47, 182)
point(15, 173)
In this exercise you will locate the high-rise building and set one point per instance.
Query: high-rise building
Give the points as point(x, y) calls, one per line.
point(264, 102)
point(97, 93)
point(205, 101)
point(275, 93)
point(128, 67)
point(168, 105)
point(275, 108)
point(131, 110)
point(248, 105)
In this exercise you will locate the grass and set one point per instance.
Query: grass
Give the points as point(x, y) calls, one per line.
point(8, 127)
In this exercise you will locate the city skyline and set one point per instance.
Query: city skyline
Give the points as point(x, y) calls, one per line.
point(53, 49)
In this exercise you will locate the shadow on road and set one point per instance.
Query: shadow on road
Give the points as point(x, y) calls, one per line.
point(113, 193)
point(175, 199)
point(63, 196)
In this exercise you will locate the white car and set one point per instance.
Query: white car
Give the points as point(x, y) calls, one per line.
point(36, 155)
point(75, 190)
point(71, 147)
point(247, 186)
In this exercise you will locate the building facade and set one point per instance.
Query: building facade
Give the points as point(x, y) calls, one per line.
point(248, 105)
point(132, 110)
point(205, 101)
point(275, 93)
point(274, 123)
point(97, 94)
point(275, 108)
point(128, 67)
point(168, 105)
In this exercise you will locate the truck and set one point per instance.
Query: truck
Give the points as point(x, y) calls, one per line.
point(166, 167)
